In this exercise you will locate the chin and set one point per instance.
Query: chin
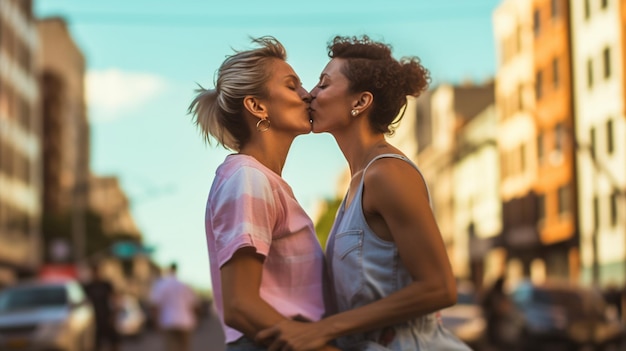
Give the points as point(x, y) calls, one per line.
point(316, 129)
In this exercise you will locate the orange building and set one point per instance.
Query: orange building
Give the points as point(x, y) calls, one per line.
point(555, 183)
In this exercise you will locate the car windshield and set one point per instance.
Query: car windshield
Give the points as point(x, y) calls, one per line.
point(32, 297)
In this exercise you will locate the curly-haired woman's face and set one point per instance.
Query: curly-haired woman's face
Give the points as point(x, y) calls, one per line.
point(332, 102)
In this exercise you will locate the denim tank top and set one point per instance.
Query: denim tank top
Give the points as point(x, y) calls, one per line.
point(364, 268)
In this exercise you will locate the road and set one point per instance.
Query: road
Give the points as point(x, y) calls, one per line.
point(207, 337)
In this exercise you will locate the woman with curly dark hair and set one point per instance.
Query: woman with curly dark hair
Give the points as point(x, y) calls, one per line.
point(388, 265)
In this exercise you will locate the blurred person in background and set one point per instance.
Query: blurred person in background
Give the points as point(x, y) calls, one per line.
point(503, 325)
point(103, 298)
point(266, 262)
point(614, 297)
point(390, 272)
point(175, 305)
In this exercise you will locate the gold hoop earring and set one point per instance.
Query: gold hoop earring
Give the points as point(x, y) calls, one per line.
point(263, 125)
point(354, 112)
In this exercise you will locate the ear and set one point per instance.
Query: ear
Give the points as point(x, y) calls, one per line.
point(255, 107)
point(364, 101)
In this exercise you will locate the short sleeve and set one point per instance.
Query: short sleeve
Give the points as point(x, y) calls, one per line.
point(242, 213)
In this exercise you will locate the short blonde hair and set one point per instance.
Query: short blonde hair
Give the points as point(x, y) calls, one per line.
point(219, 111)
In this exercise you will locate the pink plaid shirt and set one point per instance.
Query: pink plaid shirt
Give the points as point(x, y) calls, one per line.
point(251, 206)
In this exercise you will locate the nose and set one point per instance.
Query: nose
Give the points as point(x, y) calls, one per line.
point(307, 98)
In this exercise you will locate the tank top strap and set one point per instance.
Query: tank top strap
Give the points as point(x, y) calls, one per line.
point(404, 158)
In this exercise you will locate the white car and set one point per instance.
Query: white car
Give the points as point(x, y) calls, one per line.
point(46, 315)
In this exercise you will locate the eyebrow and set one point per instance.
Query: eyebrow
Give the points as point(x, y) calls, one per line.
point(295, 78)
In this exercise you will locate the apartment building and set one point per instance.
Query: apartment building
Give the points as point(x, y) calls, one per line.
point(428, 135)
point(108, 200)
point(65, 139)
point(20, 142)
point(555, 185)
point(597, 28)
point(477, 207)
point(517, 135)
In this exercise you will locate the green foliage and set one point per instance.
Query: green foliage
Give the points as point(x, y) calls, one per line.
point(325, 222)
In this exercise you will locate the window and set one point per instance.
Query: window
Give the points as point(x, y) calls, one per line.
point(606, 59)
point(539, 84)
point(614, 208)
point(541, 207)
point(520, 97)
point(596, 212)
point(522, 159)
point(554, 8)
point(540, 152)
point(565, 200)
point(503, 165)
point(559, 137)
point(610, 145)
point(587, 9)
point(589, 73)
point(555, 73)
point(536, 22)
point(592, 143)
point(518, 38)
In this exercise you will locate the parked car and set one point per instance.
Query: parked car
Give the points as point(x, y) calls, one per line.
point(557, 316)
point(46, 315)
point(130, 318)
point(465, 319)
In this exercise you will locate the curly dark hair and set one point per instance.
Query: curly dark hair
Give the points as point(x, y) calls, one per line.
point(371, 67)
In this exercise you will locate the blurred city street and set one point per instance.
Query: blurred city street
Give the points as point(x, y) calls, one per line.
point(207, 337)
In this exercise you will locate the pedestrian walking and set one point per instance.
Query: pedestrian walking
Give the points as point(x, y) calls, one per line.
point(102, 296)
point(175, 305)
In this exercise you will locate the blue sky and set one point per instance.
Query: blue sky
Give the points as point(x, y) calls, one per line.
point(144, 58)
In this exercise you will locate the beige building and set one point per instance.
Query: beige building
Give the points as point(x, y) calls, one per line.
point(517, 135)
point(599, 89)
point(427, 135)
point(65, 139)
point(108, 200)
point(477, 206)
point(20, 142)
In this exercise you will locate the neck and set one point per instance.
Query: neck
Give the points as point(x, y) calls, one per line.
point(270, 151)
point(360, 148)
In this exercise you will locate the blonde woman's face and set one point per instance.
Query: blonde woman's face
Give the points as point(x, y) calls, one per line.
point(288, 101)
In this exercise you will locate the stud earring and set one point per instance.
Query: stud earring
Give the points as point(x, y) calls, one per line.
point(354, 112)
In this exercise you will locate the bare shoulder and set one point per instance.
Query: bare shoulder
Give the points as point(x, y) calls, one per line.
point(391, 172)
point(393, 185)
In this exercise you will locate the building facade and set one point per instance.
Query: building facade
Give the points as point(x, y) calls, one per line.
point(65, 139)
point(517, 135)
point(555, 186)
point(108, 200)
point(20, 142)
point(477, 206)
point(428, 135)
point(598, 69)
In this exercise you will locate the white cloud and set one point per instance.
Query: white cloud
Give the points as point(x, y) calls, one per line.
point(112, 91)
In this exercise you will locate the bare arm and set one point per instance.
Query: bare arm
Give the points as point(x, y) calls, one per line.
point(396, 204)
point(244, 309)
